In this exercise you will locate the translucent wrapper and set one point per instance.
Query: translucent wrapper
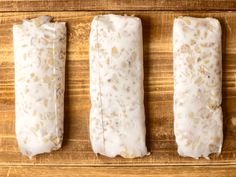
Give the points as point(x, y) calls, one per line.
point(197, 86)
point(117, 119)
point(40, 53)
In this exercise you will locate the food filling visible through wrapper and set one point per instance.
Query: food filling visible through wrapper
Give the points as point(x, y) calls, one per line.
point(40, 54)
point(117, 119)
point(197, 86)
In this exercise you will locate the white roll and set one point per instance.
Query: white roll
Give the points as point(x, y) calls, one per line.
point(197, 86)
point(117, 119)
point(40, 53)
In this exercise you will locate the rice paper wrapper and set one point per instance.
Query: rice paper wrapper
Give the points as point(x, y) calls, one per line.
point(117, 119)
point(39, 53)
point(197, 86)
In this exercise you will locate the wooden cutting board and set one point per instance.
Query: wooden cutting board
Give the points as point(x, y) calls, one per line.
point(76, 157)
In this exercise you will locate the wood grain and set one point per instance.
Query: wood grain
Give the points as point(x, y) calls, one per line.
point(76, 157)
point(158, 83)
point(73, 5)
point(173, 171)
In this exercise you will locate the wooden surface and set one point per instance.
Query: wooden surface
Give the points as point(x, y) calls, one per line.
point(71, 5)
point(175, 171)
point(76, 157)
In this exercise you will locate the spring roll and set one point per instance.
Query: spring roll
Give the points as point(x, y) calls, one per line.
point(39, 53)
point(197, 86)
point(117, 119)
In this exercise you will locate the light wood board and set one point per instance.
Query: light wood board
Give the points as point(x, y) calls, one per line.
point(76, 154)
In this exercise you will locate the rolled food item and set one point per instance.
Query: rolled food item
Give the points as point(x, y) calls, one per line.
point(40, 54)
point(117, 119)
point(197, 86)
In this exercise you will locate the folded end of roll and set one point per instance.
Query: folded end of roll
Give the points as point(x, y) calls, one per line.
point(37, 22)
